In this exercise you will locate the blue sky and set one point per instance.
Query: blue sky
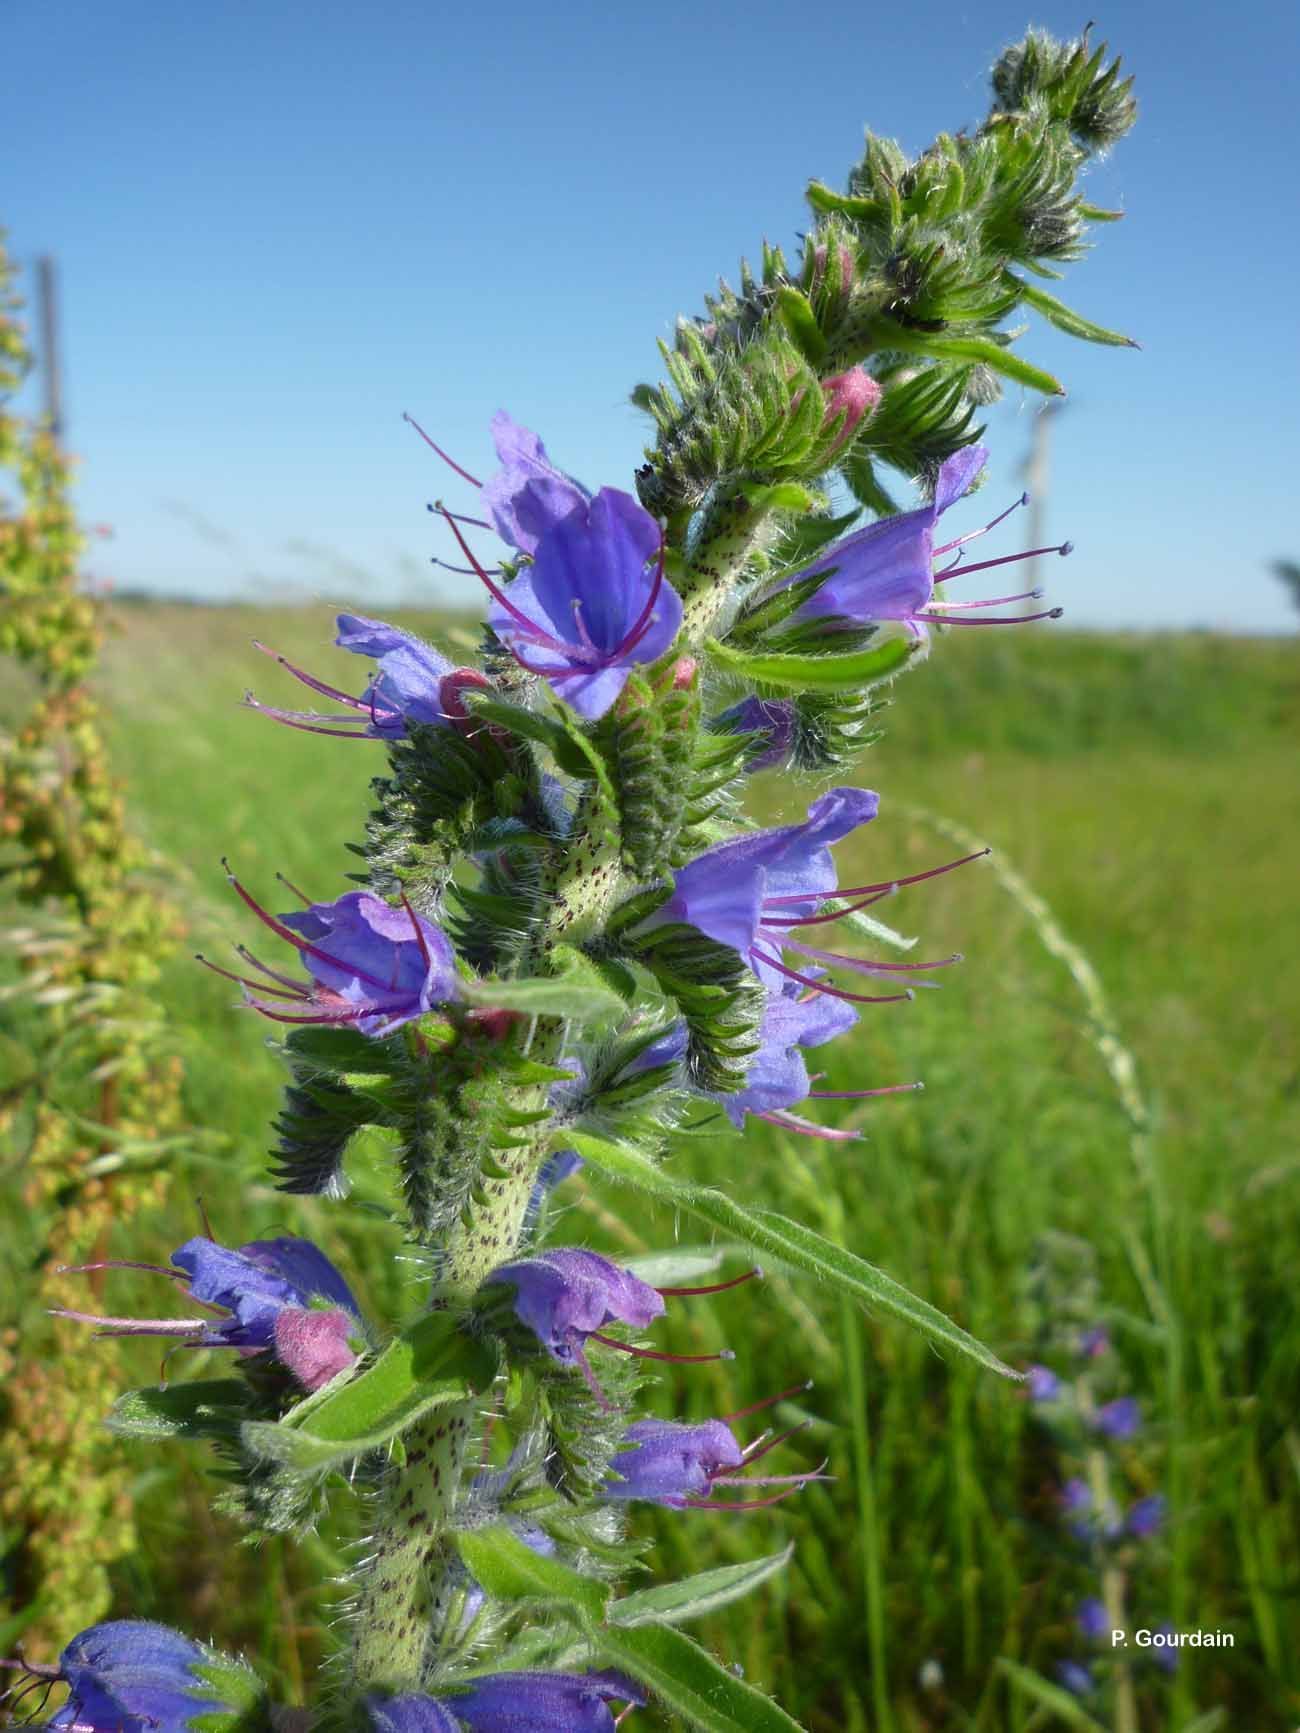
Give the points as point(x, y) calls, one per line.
point(279, 225)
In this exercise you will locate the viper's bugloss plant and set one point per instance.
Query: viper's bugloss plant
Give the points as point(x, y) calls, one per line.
point(569, 943)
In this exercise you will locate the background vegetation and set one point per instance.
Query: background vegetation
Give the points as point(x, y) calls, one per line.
point(1143, 786)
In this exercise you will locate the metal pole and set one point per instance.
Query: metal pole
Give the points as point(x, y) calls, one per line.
point(47, 296)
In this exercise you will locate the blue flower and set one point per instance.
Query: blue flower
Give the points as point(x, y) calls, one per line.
point(1119, 1419)
point(677, 1464)
point(1147, 1516)
point(284, 1297)
point(593, 604)
point(886, 571)
point(1092, 1619)
point(1076, 1678)
point(131, 1676)
point(771, 721)
point(507, 1702)
point(1044, 1385)
point(566, 1296)
point(527, 496)
point(415, 683)
point(371, 965)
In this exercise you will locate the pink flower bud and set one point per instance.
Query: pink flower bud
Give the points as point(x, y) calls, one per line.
point(851, 395)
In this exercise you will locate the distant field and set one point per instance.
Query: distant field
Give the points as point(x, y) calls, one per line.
point(1146, 788)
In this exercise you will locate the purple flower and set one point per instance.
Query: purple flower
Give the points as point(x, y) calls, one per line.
point(412, 1714)
point(1093, 1343)
point(771, 721)
point(542, 1702)
point(1119, 1419)
point(1092, 1619)
point(886, 571)
point(284, 1297)
point(371, 965)
point(415, 683)
point(130, 1676)
point(1044, 1385)
point(527, 496)
point(754, 892)
point(1146, 1517)
point(1076, 1678)
point(1164, 1648)
point(676, 1464)
point(567, 1296)
point(593, 604)
point(1076, 1497)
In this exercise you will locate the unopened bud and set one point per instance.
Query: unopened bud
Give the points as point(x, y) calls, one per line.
point(850, 398)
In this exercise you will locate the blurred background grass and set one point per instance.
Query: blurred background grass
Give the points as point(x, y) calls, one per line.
point(1145, 787)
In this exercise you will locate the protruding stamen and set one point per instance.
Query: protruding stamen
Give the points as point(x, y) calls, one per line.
point(133, 1326)
point(118, 1264)
point(494, 590)
point(300, 994)
point(658, 1353)
point(440, 509)
point(864, 965)
point(289, 885)
point(992, 601)
point(835, 914)
point(646, 615)
point(287, 933)
point(768, 1402)
point(741, 1504)
point(449, 461)
point(830, 990)
point(806, 1128)
point(754, 1275)
point(307, 721)
point(768, 1441)
point(273, 974)
point(990, 619)
point(461, 571)
point(310, 680)
point(992, 524)
point(887, 885)
point(864, 1094)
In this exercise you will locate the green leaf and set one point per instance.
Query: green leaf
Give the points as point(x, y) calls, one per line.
point(795, 312)
point(943, 347)
point(686, 1680)
point(1097, 214)
point(206, 1408)
point(826, 200)
point(1032, 1684)
point(1065, 319)
point(693, 1597)
point(575, 990)
point(789, 1241)
point(676, 1268)
point(511, 1571)
point(431, 1364)
point(829, 673)
point(783, 496)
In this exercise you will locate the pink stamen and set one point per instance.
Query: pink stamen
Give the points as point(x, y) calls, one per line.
point(835, 915)
point(864, 965)
point(134, 1326)
point(806, 1128)
point(992, 601)
point(449, 461)
point(832, 991)
point(289, 885)
point(274, 974)
point(477, 523)
point(418, 930)
point(764, 1479)
point(310, 680)
point(1062, 548)
point(349, 1016)
point(992, 619)
point(887, 886)
point(462, 571)
point(767, 1402)
point(992, 524)
point(118, 1264)
point(643, 623)
point(283, 932)
point(494, 590)
point(658, 1354)
point(299, 993)
point(302, 719)
point(753, 1275)
point(736, 1504)
point(864, 1094)
point(756, 1451)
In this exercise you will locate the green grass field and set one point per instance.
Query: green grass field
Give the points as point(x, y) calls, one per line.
point(1145, 788)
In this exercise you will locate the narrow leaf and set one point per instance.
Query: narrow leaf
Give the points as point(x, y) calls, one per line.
point(511, 1571)
point(1031, 1684)
point(943, 347)
point(828, 673)
point(1065, 319)
point(795, 312)
point(578, 994)
point(206, 1408)
point(791, 1242)
point(692, 1597)
point(686, 1680)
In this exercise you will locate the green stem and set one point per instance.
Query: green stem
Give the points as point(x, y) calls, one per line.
point(868, 1523)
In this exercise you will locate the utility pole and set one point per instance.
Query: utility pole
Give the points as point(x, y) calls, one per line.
point(47, 300)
